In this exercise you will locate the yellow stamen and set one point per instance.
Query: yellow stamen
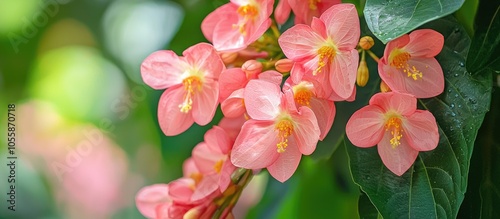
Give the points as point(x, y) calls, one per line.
point(190, 83)
point(394, 126)
point(399, 59)
point(218, 166)
point(302, 93)
point(326, 55)
point(197, 177)
point(313, 4)
point(285, 129)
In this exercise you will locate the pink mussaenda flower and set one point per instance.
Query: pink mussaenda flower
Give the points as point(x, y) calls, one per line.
point(409, 66)
point(192, 82)
point(310, 93)
point(305, 10)
point(327, 47)
point(393, 122)
point(277, 134)
point(237, 24)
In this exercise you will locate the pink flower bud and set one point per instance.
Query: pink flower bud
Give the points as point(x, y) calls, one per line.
point(252, 67)
point(228, 57)
point(284, 65)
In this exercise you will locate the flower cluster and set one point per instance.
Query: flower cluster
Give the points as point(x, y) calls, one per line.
point(276, 109)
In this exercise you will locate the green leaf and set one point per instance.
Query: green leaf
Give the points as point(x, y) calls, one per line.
point(466, 14)
point(434, 186)
point(366, 208)
point(483, 192)
point(389, 19)
point(485, 47)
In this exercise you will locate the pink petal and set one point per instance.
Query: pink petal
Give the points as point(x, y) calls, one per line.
point(324, 110)
point(259, 31)
point(271, 76)
point(162, 69)
point(225, 175)
point(343, 25)
point(227, 38)
point(343, 72)
point(205, 158)
point(206, 187)
point(234, 106)
point(205, 103)
point(306, 131)
point(232, 126)
point(189, 167)
point(262, 99)
point(255, 146)
point(230, 80)
point(403, 104)
point(180, 190)
point(365, 128)
point(421, 130)
point(149, 197)
point(297, 73)
point(319, 27)
point(224, 12)
point(425, 43)
point(204, 57)
point(286, 164)
point(172, 121)
point(282, 11)
point(399, 42)
point(162, 211)
point(431, 84)
point(218, 140)
point(299, 42)
point(399, 159)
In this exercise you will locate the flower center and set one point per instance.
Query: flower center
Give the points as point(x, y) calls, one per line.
point(285, 129)
point(313, 4)
point(399, 59)
point(394, 126)
point(218, 166)
point(302, 93)
point(197, 177)
point(191, 85)
point(326, 55)
point(247, 12)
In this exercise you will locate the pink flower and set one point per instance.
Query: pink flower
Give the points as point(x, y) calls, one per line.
point(409, 66)
point(309, 93)
point(192, 82)
point(212, 159)
point(237, 24)
point(305, 10)
point(327, 47)
point(277, 134)
point(232, 87)
point(392, 122)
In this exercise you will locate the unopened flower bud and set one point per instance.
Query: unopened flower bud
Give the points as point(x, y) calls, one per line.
point(384, 88)
point(228, 57)
point(193, 213)
point(363, 74)
point(251, 67)
point(366, 42)
point(283, 65)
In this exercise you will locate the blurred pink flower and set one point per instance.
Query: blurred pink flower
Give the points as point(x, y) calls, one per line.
point(282, 11)
point(237, 24)
point(409, 66)
point(393, 122)
point(192, 82)
point(328, 47)
point(277, 134)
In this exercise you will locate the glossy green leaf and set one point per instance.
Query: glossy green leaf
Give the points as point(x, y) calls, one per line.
point(366, 209)
point(485, 46)
point(389, 19)
point(434, 186)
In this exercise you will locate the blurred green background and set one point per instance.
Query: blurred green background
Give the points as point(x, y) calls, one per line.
point(86, 127)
